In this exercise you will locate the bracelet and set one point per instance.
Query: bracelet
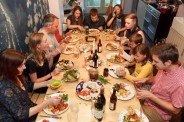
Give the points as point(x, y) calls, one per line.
point(50, 75)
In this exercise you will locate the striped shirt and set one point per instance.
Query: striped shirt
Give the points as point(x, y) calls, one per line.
point(168, 86)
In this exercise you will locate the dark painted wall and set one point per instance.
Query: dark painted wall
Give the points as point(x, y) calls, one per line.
point(19, 18)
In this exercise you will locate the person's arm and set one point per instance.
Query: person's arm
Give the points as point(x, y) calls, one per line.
point(51, 101)
point(101, 25)
point(144, 94)
point(142, 34)
point(109, 21)
point(126, 56)
point(70, 26)
point(146, 70)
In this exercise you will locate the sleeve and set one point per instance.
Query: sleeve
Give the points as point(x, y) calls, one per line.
point(126, 56)
point(177, 96)
point(11, 101)
point(29, 85)
point(102, 22)
point(146, 70)
point(30, 66)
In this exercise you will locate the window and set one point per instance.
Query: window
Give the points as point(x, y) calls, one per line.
point(100, 5)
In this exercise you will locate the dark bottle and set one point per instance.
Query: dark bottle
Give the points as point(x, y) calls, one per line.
point(95, 60)
point(99, 46)
point(102, 98)
point(91, 55)
point(113, 101)
point(98, 113)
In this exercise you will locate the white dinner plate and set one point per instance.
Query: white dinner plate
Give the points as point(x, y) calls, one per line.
point(68, 50)
point(111, 58)
point(60, 112)
point(74, 38)
point(88, 86)
point(130, 91)
point(109, 47)
point(112, 71)
point(49, 119)
point(85, 47)
point(93, 31)
point(123, 113)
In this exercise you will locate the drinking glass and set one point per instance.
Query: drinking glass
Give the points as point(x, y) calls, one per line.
point(73, 115)
point(76, 53)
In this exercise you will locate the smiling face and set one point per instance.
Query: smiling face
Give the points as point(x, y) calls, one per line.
point(21, 68)
point(77, 14)
point(44, 45)
point(117, 9)
point(158, 63)
point(139, 57)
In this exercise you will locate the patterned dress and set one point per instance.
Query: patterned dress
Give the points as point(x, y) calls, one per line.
point(15, 102)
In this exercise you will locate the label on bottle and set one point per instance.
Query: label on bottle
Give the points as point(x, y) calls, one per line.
point(98, 114)
point(99, 49)
point(111, 106)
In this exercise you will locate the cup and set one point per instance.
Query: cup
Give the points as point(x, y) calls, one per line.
point(76, 53)
point(93, 74)
point(106, 72)
point(73, 115)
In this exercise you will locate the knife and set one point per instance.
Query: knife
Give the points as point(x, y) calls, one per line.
point(51, 116)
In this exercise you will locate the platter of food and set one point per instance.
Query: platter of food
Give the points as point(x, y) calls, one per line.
point(87, 89)
point(132, 115)
point(93, 31)
point(114, 58)
point(65, 64)
point(68, 50)
point(112, 71)
point(71, 75)
point(124, 91)
point(72, 38)
point(48, 120)
point(85, 47)
point(112, 46)
point(110, 31)
point(61, 107)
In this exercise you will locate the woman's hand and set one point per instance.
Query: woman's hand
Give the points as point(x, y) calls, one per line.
point(54, 100)
point(81, 28)
point(62, 46)
point(55, 71)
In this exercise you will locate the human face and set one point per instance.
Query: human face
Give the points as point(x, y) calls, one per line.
point(21, 68)
point(117, 10)
point(44, 45)
point(130, 23)
point(139, 57)
point(132, 45)
point(77, 14)
point(55, 25)
point(158, 63)
point(94, 18)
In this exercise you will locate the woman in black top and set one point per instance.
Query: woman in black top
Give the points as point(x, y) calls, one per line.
point(38, 65)
point(116, 19)
point(15, 104)
point(131, 27)
point(75, 21)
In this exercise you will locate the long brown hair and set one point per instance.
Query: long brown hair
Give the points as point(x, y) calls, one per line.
point(10, 60)
point(80, 21)
point(133, 16)
point(35, 54)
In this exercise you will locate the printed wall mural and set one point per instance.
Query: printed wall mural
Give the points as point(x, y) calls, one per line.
point(18, 19)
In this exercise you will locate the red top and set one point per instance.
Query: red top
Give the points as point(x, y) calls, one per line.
point(58, 36)
point(168, 86)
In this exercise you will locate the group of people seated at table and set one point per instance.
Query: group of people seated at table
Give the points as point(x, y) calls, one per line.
point(20, 75)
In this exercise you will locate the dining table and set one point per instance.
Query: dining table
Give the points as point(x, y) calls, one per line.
point(85, 113)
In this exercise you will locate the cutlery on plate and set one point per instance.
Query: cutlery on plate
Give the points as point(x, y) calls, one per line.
point(51, 116)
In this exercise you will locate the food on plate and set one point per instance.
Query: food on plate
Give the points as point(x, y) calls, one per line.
point(131, 116)
point(90, 38)
point(110, 31)
point(85, 47)
point(61, 106)
point(45, 120)
point(71, 75)
point(65, 64)
point(54, 84)
point(122, 89)
point(111, 46)
point(116, 59)
point(69, 49)
point(84, 93)
point(93, 31)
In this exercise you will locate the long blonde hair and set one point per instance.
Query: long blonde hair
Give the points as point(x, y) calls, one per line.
point(35, 54)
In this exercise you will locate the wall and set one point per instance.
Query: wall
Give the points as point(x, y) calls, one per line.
point(19, 18)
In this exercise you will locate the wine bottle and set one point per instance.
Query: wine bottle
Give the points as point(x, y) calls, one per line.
point(113, 101)
point(95, 60)
point(98, 114)
point(102, 98)
point(99, 46)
